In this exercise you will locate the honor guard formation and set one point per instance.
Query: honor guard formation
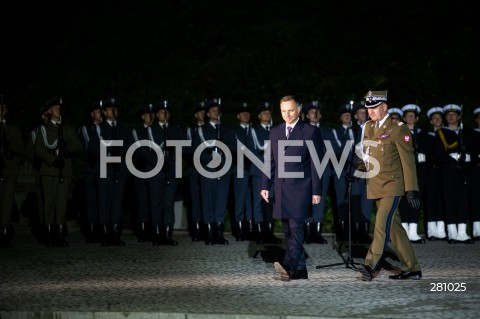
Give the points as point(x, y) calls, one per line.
point(216, 168)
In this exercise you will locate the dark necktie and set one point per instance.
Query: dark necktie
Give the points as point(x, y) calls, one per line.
point(268, 128)
point(289, 130)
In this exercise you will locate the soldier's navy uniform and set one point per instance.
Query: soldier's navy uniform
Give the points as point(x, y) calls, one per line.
point(111, 187)
point(432, 196)
point(90, 174)
point(262, 211)
point(143, 133)
point(454, 158)
point(410, 216)
point(215, 181)
point(474, 175)
point(194, 176)
point(11, 150)
point(313, 224)
point(163, 185)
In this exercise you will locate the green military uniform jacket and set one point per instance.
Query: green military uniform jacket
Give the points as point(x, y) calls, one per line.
point(45, 143)
point(14, 152)
point(394, 153)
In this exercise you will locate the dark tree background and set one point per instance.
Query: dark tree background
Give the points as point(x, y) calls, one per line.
point(145, 51)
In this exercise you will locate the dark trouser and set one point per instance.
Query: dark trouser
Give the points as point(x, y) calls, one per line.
point(293, 230)
point(262, 211)
point(243, 197)
point(194, 179)
point(214, 196)
point(361, 206)
point(141, 190)
point(455, 196)
point(110, 198)
point(7, 191)
point(55, 195)
point(433, 207)
point(91, 196)
point(162, 199)
point(474, 187)
point(318, 211)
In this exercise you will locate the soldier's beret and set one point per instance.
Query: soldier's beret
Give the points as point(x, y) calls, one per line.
point(375, 98)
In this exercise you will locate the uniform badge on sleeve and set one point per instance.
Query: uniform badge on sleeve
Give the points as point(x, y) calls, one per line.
point(406, 138)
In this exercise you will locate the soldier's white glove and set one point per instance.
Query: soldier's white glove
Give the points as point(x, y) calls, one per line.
point(421, 158)
point(467, 158)
point(455, 156)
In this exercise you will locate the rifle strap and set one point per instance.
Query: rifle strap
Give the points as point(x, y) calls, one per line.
point(444, 141)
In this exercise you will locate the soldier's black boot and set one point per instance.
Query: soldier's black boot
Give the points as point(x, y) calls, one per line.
point(115, 239)
point(91, 233)
point(209, 236)
point(308, 233)
point(168, 231)
point(219, 239)
point(260, 234)
point(250, 231)
point(157, 236)
point(240, 231)
point(269, 234)
point(196, 236)
point(61, 235)
point(104, 236)
point(49, 236)
point(143, 233)
point(318, 234)
point(4, 241)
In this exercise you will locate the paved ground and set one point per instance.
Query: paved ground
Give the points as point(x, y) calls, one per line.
point(198, 281)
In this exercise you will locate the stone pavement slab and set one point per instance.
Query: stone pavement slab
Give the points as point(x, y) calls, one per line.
point(194, 280)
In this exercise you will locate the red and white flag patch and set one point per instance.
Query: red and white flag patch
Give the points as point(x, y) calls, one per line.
point(406, 138)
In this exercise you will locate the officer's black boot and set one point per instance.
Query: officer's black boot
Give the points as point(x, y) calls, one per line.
point(168, 231)
point(268, 234)
point(240, 231)
point(115, 239)
point(308, 233)
point(61, 235)
point(143, 233)
point(318, 234)
point(196, 232)
point(157, 236)
point(209, 234)
point(219, 235)
point(104, 236)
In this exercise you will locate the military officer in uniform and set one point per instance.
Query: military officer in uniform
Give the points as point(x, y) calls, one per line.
point(111, 186)
point(54, 146)
point(11, 149)
point(143, 133)
point(474, 175)
point(433, 206)
point(193, 175)
point(313, 224)
point(90, 171)
point(411, 216)
point(242, 184)
point(163, 186)
point(454, 158)
point(390, 165)
point(215, 180)
point(262, 211)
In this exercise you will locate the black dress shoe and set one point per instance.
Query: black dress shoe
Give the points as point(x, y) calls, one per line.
point(366, 272)
point(298, 274)
point(407, 275)
point(419, 241)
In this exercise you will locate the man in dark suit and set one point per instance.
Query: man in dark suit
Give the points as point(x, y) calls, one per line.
point(296, 182)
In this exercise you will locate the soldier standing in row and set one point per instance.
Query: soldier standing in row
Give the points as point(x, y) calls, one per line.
point(453, 156)
point(163, 185)
point(54, 146)
point(215, 179)
point(411, 216)
point(433, 206)
point(11, 148)
point(143, 132)
point(90, 170)
point(262, 211)
point(474, 175)
point(111, 184)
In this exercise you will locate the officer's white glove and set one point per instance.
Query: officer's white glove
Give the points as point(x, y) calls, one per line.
point(467, 158)
point(421, 158)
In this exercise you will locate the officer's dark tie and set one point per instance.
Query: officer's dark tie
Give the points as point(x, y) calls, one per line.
point(289, 130)
point(268, 128)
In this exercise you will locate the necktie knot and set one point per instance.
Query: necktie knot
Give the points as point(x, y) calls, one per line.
point(289, 130)
point(268, 128)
